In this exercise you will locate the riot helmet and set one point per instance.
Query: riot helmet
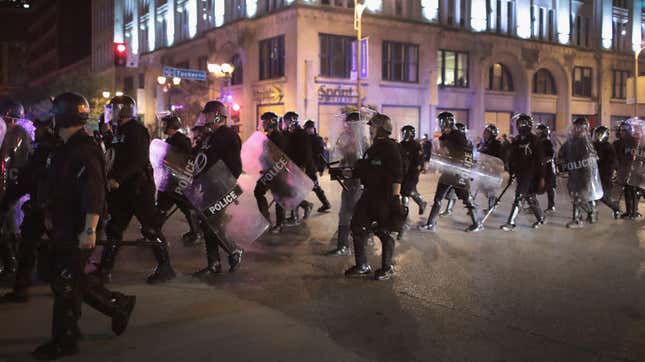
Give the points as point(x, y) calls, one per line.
point(11, 110)
point(269, 121)
point(290, 120)
point(580, 127)
point(120, 107)
point(214, 112)
point(461, 127)
point(600, 134)
point(352, 117)
point(69, 109)
point(625, 129)
point(543, 130)
point(380, 126)
point(490, 132)
point(446, 121)
point(171, 123)
point(524, 124)
point(408, 133)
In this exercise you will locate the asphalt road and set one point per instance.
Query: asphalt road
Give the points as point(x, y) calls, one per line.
point(548, 295)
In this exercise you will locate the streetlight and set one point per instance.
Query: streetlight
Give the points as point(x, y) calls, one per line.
point(161, 80)
point(106, 94)
point(223, 71)
point(359, 7)
point(176, 80)
point(118, 93)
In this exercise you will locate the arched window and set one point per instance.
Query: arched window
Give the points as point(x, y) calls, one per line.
point(499, 78)
point(238, 73)
point(543, 82)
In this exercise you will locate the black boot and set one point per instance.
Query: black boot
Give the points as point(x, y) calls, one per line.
point(575, 222)
point(534, 204)
point(320, 193)
point(164, 271)
point(420, 202)
point(386, 271)
point(115, 305)
point(53, 350)
point(235, 259)
point(8, 256)
point(362, 268)
point(307, 207)
point(108, 258)
point(512, 217)
point(474, 217)
point(342, 246)
point(431, 225)
point(449, 207)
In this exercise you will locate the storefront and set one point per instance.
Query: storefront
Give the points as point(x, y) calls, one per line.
point(333, 98)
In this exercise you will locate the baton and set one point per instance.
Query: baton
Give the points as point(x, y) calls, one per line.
point(329, 164)
point(497, 200)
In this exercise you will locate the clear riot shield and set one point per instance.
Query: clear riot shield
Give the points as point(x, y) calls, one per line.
point(348, 140)
point(287, 182)
point(227, 207)
point(460, 169)
point(636, 173)
point(578, 158)
point(3, 131)
point(15, 151)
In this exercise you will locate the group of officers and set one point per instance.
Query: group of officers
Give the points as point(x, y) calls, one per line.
point(81, 184)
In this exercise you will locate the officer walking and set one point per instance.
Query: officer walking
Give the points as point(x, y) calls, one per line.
point(76, 184)
point(625, 146)
point(32, 181)
point(270, 124)
point(349, 146)
point(493, 147)
point(317, 154)
point(299, 151)
point(380, 172)
point(132, 191)
point(458, 147)
point(220, 143)
point(413, 161)
point(165, 200)
point(543, 131)
point(526, 164)
point(607, 162)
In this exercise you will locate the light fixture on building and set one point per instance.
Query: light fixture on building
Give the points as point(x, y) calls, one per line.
point(160, 19)
point(26, 5)
point(214, 68)
point(623, 32)
point(118, 93)
point(176, 81)
point(106, 94)
point(227, 69)
point(236, 107)
point(142, 26)
point(161, 80)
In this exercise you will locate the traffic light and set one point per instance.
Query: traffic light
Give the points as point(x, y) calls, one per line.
point(120, 54)
point(235, 118)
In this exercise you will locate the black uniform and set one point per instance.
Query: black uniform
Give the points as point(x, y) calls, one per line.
point(624, 148)
point(317, 154)
point(222, 144)
point(380, 168)
point(526, 164)
point(549, 170)
point(76, 185)
point(427, 150)
point(607, 163)
point(135, 196)
point(299, 151)
point(32, 181)
point(458, 147)
point(261, 188)
point(413, 161)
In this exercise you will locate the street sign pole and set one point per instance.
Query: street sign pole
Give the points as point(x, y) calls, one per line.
point(358, 14)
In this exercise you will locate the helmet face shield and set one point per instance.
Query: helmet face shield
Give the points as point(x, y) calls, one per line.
point(108, 114)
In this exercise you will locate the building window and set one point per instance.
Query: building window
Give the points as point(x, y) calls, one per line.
point(542, 23)
point(143, 35)
point(582, 81)
point(399, 8)
point(238, 73)
point(455, 12)
point(335, 56)
point(272, 5)
point(338, 3)
point(619, 89)
point(206, 9)
point(400, 62)
point(453, 69)
point(500, 18)
point(499, 78)
point(161, 35)
point(234, 9)
point(581, 31)
point(620, 3)
point(272, 58)
point(543, 82)
point(619, 41)
point(181, 27)
point(128, 85)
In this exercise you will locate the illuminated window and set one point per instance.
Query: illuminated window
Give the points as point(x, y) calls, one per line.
point(499, 78)
point(453, 69)
point(543, 82)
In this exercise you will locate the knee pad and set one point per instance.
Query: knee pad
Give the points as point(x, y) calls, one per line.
point(62, 285)
point(152, 233)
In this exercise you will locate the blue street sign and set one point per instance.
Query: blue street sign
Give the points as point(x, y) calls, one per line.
point(364, 62)
point(191, 74)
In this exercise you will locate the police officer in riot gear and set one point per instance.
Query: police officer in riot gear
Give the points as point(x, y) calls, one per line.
point(412, 158)
point(317, 154)
point(270, 124)
point(171, 126)
point(350, 145)
point(607, 162)
point(220, 143)
point(132, 191)
point(625, 144)
point(299, 151)
point(14, 154)
point(493, 147)
point(76, 185)
point(380, 172)
point(526, 164)
point(32, 181)
point(543, 131)
point(451, 196)
point(458, 147)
